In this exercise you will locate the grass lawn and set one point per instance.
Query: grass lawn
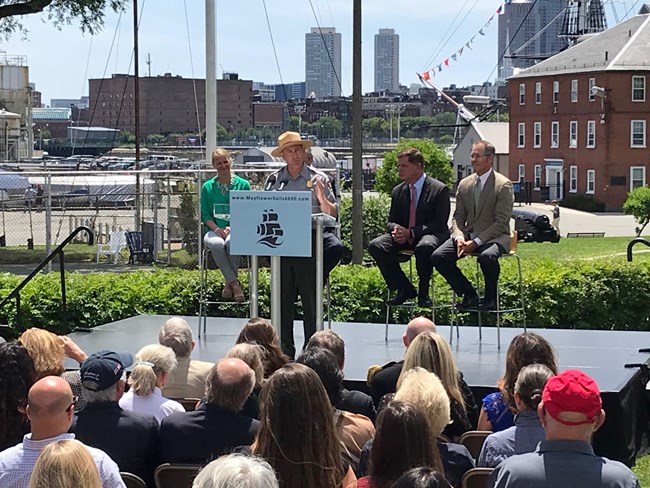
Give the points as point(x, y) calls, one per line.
point(642, 470)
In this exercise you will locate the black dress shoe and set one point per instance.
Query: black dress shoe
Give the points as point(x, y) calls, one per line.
point(401, 297)
point(487, 305)
point(470, 302)
point(424, 301)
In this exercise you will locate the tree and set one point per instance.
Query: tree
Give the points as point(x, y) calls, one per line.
point(89, 13)
point(126, 137)
point(637, 204)
point(436, 164)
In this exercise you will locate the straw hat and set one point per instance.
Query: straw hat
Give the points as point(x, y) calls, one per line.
point(288, 139)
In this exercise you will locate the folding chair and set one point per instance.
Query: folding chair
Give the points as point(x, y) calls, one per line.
point(189, 404)
point(176, 475)
point(473, 440)
point(132, 481)
point(476, 477)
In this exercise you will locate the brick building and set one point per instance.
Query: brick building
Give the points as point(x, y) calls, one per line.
point(167, 103)
point(578, 120)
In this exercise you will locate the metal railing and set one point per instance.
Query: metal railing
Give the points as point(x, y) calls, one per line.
point(57, 252)
point(631, 245)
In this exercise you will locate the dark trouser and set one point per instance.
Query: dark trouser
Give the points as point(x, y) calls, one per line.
point(299, 278)
point(384, 251)
point(444, 260)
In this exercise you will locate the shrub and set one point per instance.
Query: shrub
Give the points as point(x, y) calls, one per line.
point(375, 218)
point(584, 203)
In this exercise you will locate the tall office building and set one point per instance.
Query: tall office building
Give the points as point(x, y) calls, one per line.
point(387, 61)
point(519, 23)
point(323, 62)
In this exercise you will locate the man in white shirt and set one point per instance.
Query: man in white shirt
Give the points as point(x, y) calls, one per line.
point(50, 408)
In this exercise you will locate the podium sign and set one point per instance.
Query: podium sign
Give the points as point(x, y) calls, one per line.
point(270, 223)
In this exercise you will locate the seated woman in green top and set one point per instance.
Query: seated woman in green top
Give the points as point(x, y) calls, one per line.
point(215, 214)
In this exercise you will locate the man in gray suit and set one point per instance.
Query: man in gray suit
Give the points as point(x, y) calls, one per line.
point(480, 226)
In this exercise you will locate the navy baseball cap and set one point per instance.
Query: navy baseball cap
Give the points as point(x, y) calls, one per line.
point(103, 369)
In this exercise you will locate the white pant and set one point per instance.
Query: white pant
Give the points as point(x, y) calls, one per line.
point(220, 249)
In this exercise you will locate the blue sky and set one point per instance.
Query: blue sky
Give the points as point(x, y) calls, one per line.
point(173, 33)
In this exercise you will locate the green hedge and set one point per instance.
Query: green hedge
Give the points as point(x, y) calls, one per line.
point(602, 294)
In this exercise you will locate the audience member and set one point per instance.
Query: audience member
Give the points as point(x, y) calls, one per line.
point(65, 464)
point(432, 352)
point(49, 352)
point(403, 441)
point(188, 379)
point(385, 380)
point(351, 400)
point(260, 331)
point(154, 364)
point(527, 348)
point(237, 471)
point(353, 430)
point(527, 431)
point(217, 426)
point(50, 407)
point(129, 438)
point(17, 375)
point(570, 411)
point(423, 477)
point(297, 433)
point(417, 221)
point(251, 354)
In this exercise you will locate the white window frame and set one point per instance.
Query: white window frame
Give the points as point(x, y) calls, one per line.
point(522, 93)
point(591, 133)
point(538, 92)
point(592, 84)
point(573, 179)
point(537, 134)
point(574, 91)
point(640, 91)
point(521, 172)
point(521, 134)
point(556, 91)
point(633, 133)
point(555, 134)
point(632, 180)
point(538, 177)
point(573, 133)
point(591, 182)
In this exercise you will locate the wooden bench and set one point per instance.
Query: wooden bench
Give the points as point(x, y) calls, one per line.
point(586, 234)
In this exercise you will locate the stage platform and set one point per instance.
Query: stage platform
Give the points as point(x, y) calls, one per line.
point(617, 360)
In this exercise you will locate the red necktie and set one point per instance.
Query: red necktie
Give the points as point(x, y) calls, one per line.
point(414, 205)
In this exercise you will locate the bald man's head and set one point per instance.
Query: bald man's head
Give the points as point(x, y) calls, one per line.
point(230, 383)
point(50, 407)
point(415, 327)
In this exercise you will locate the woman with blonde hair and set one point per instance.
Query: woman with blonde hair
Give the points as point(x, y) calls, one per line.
point(251, 354)
point(215, 214)
point(431, 352)
point(65, 464)
point(154, 365)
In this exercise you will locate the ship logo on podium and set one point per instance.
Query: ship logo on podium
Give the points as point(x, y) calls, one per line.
point(270, 230)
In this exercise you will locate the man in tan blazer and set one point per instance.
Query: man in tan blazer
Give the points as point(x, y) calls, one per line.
point(480, 226)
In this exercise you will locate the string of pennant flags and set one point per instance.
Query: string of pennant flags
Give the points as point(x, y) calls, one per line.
point(454, 57)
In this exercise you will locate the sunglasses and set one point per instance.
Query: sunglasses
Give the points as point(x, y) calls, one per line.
point(75, 399)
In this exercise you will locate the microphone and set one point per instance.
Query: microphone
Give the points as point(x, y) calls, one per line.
point(282, 184)
point(270, 182)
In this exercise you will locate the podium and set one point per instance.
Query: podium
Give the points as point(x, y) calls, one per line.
point(278, 224)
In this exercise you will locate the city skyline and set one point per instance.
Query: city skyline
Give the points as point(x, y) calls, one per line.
point(61, 62)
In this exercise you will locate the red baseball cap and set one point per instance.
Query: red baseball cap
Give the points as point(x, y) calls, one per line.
point(572, 391)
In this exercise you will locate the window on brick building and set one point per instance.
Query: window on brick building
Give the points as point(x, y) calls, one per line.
point(591, 133)
point(637, 133)
point(537, 134)
point(638, 88)
point(637, 177)
point(573, 179)
point(538, 92)
point(538, 176)
point(522, 173)
point(592, 84)
point(574, 90)
point(521, 134)
point(556, 91)
point(573, 133)
point(555, 134)
point(591, 181)
point(522, 93)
